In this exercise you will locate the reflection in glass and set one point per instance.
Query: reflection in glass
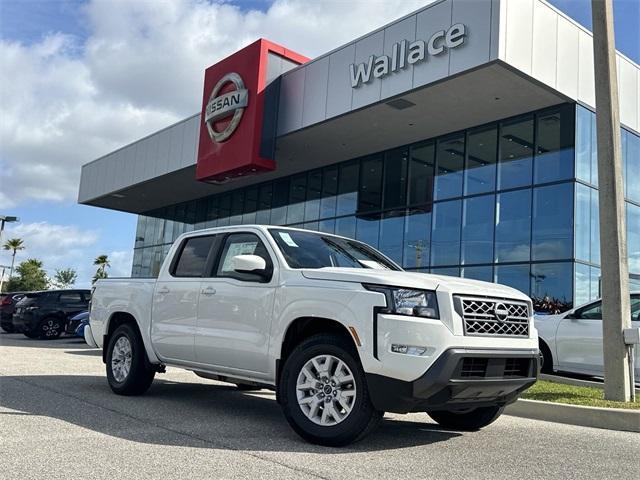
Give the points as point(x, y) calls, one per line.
point(554, 149)
point(448, 271)
point(583, 222)
point(327, 226)
point(237, 206)
point(395, 177)
point(515, 276)
point(417, 234)
point(449, 165)
point(583, 144)
point(421, 173)
point(348, 188)
point(633, 237)
point(595, 284)
point(250, 206)
point(265, 195)
point(367, 229)
point(297, 197)
point(370, 192)
point(482, 151)
point(552, 236)
point(279, 202)
point(445, 235)
point(513, 226)
point(329, 192)
point(516, 151)
point(346, 227)
point(633, 167)
point(551, 287)
point(582, 286)
point(314, 191)
point(140, 231)
point(391, 228)
point(478, 273)
point(212, 213)
point(477, 229)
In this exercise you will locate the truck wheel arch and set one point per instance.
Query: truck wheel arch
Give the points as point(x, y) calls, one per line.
point(304, 327)
point(115, 320)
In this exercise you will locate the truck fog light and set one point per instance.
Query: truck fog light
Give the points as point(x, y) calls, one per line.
point(408, 349)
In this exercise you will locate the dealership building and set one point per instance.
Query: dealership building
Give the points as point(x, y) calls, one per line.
point(458, 140)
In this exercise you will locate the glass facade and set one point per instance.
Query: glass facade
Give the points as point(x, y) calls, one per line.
point(512, 201)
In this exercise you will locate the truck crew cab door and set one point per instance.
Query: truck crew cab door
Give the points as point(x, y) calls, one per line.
point(235, 310)
point(175, 300)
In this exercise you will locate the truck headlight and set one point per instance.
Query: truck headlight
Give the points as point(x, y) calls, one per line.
point(406, 301)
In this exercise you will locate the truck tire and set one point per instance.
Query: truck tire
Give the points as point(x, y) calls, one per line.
point(472, 420)
point(50, 328)
point(128, 369)
point(323, 392)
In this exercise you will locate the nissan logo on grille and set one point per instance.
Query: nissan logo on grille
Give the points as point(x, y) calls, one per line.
point(222, 106)
point(501, 312)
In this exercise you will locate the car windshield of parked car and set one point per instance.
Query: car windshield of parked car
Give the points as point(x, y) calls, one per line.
point(317, 250)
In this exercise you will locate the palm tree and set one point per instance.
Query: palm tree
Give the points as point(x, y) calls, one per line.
point(102, 261)
point(14, 244)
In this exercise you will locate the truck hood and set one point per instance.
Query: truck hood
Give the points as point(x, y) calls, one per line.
point(424, 281)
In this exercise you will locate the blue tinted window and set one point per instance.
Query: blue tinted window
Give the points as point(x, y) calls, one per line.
point(583, 222)
point(477, 229)
point(594, 151)
point(370, 193)
point(582, 287)
point(421, 173)
point(314, 192)
point(554, 145)
point(237, 206)
point(368, 229)
point(552, 286)
point(583, 144)
point(513, 226)
point(478, 273)
point(265, 196)
point(449, 271)
point(596, 291)
point(595, 227)
point(417, 234)
point(346, 227)
point(516, 276)
point(633, 237)
point(633, 167)
point(552, 234)
point(327, 226)
point(449, 167)
point(482, 155)
point(250, 206)
point(348, 188)
point(516, 152)
point(391, 241)
point(329, 192)
point(395, 177)
point(445, 235)
point(279, 202)
point(297, 197)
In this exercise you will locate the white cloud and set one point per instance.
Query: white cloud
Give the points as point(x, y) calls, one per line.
point(64, 246)
point(141, 68)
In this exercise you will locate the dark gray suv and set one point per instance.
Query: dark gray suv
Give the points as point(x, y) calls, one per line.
point(45, 314)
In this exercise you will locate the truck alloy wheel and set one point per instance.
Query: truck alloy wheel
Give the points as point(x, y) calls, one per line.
point(121, 359)
point(323, 392)
point(128, 369)
point(326, 390)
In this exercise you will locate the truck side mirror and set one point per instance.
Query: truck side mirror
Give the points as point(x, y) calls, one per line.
point(249, 264)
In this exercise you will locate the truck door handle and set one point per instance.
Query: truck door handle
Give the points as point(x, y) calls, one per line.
point(163, 290)
point(208, 291)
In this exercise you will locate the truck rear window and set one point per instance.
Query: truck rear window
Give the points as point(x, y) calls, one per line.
point(193, 257)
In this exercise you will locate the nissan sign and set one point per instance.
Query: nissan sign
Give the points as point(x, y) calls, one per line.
point(230, 104)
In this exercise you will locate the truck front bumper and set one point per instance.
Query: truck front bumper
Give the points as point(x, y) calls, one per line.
point(460, 378)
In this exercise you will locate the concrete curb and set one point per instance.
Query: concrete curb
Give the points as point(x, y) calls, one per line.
point(596, 417)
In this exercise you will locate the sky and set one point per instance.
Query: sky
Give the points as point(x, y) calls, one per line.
point(81, 78)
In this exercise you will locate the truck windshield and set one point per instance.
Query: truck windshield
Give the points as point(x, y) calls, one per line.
point(317, 250)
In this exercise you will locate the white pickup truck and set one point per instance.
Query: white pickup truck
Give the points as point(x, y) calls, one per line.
point(339, 331)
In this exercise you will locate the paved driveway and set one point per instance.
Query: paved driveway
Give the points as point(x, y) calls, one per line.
point(58, 419)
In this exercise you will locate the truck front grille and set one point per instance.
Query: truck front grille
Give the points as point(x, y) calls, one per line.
point(494, 317)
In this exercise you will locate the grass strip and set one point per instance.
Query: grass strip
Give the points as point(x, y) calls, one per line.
point(573, 395)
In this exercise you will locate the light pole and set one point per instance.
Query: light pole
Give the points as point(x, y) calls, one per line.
point(616, 312)
point(6, 219)
point(3, 267)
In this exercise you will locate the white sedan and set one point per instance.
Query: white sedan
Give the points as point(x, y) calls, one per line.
point(572, 341)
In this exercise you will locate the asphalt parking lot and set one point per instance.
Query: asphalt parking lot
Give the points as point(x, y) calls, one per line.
point(58, 419)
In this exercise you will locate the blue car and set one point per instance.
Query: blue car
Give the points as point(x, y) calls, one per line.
point(76, 324)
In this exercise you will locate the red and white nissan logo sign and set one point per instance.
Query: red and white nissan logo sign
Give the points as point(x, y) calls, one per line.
point(229, 104)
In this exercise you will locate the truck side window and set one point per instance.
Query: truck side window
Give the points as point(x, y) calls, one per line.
point(193, 257)
point(242, 244)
